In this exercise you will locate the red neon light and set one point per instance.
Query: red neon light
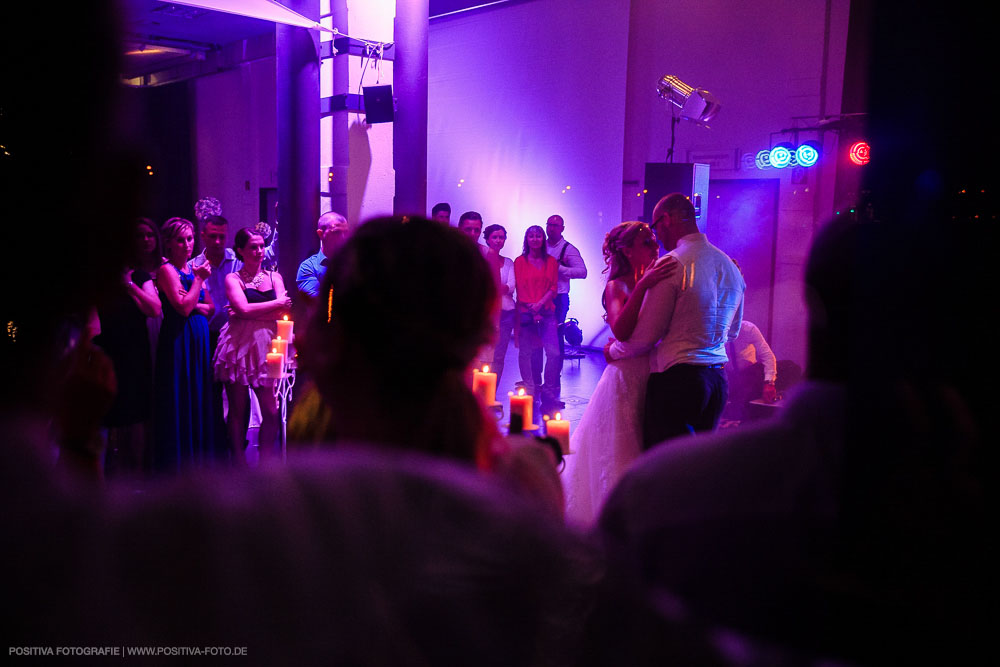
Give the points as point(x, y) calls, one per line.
point(860, 153)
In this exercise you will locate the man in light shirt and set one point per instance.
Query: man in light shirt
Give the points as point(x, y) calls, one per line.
point(332, 230)
point(686, 320)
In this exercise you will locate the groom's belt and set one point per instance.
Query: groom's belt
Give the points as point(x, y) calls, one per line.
point(700, 365)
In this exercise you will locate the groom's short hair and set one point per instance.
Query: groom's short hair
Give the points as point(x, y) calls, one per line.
point(675, 201)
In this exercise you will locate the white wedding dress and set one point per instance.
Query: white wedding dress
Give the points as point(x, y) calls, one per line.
point(607, 440)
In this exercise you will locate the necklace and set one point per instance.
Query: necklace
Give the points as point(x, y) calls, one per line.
point(255, 282)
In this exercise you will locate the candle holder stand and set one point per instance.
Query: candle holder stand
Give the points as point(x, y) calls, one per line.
point(282, 395)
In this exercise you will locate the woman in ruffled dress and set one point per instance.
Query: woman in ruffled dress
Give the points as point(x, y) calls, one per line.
point(257, 298)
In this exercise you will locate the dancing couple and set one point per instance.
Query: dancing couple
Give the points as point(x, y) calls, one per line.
point(671, 319)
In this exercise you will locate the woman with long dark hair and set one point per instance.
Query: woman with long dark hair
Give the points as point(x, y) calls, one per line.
point(536, 275)
point(609, 435)
point(124, 337)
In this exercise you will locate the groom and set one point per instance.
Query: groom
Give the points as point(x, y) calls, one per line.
point(688, 317)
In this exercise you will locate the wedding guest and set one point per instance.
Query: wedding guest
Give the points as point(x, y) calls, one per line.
point(503, 271)
point(536, 274)
point(185, 429)
point(410, 307)
point(257, 298)
point(124, 337)
point(442, 213)
point(332, 230)
point(150, 258)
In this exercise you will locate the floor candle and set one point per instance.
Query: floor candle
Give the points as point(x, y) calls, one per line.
point(484, 385)
point(521, 404)
point(558, 428)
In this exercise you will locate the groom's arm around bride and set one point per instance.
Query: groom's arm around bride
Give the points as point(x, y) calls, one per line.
point(688, 318)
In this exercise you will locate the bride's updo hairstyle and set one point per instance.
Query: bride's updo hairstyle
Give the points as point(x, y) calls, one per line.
point(620, 237)
point(405, 306)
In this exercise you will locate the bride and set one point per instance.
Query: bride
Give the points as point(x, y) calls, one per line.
point(609, 436)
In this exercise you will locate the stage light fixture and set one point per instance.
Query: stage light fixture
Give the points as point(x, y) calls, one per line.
point(696, 104)
point(807, 154)
point(860, 153)
point(763, 159)
point(781, 155)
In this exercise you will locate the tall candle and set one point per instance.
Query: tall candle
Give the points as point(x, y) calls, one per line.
point(275, 363)
point(484, 385)
point(558, 428)
point(521, 404)
point(280, 344)
point(285, 327)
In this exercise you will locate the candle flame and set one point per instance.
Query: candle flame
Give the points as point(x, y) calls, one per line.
point(520, 392)
point(274, 351)
point(545, 418)
point(558, 415)
point(284, 317)
point(278, 338)
point(486, 369)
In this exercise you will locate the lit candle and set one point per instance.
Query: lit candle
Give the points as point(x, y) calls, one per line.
point(285, 327)
point(280, 344)
point(558, 428)
point(521, 404)
point(275, 363)
point(484, 385)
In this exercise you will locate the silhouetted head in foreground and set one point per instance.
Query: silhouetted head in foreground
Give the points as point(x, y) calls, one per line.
point(405, 306)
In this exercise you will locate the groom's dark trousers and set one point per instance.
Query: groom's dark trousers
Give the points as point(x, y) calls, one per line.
point(681, 400)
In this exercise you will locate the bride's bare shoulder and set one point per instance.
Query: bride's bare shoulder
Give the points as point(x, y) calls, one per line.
point(616, 287)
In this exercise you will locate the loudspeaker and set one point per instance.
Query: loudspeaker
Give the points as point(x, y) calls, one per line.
point(690, 179)
point(378, 104)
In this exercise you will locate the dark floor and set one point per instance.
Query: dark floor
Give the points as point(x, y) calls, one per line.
point(579, 378)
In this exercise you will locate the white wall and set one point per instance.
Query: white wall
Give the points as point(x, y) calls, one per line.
point(525, 99)
point(235, 139)
point(371, 179)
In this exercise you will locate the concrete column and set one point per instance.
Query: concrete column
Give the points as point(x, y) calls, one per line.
point(410, 90)
point(297, 86)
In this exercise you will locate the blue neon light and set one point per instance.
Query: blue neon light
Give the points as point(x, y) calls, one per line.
point(780, 156)
point(807, 154)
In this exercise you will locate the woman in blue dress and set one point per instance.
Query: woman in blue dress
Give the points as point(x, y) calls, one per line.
point(183, 376)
